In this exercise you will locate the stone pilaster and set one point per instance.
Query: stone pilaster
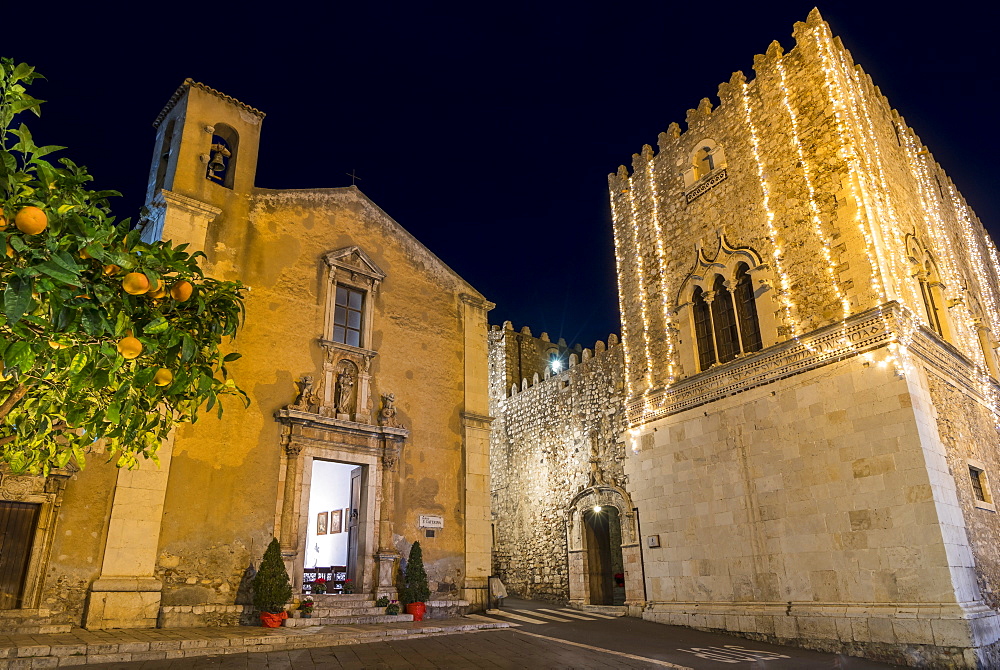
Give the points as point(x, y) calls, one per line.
point(476, 441)
point(127, 593)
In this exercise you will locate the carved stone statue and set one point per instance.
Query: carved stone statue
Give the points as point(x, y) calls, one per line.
point(308, 394)
point(387, 415)
point(345, 392)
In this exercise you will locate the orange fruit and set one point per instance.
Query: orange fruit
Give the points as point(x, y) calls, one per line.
point(111, 269)
point(84, 254)
point(158, 291)
point(57, 345)
point(163, 377)
point(10, 250)
point(181, 290)
point(129, 347)
point(3, 220)
point(135, 283)
point(31, 220)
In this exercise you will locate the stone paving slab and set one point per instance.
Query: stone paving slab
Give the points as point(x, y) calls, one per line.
point(84, 647)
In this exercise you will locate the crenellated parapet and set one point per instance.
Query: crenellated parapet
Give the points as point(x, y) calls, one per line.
point(519, 361)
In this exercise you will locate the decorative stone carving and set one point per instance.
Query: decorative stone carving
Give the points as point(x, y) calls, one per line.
point(309, 395)
point(18, 488)
point(345, 392)
point(387, 415)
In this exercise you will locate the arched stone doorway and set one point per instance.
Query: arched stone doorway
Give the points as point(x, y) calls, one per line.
point(605, 567)
point(598, 543)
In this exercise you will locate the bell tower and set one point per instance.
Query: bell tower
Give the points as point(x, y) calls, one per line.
point(204, 163)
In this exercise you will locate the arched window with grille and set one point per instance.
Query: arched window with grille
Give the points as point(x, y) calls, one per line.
point(703, 329)
point(727, 335)
point(746, 310)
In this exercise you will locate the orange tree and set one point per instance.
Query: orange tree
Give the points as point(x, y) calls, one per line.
point(104, 339)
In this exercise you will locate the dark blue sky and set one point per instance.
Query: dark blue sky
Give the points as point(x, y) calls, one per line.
point(486, 130)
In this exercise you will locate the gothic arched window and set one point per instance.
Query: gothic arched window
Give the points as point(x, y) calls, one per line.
point(746, 308)
point(727, 335)
point(703, 329)
point(928, 286)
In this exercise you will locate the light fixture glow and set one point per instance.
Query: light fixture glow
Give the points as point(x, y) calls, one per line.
point(597, 509)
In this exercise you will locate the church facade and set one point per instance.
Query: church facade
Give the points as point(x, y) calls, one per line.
point(809, 379)
point(365, 360)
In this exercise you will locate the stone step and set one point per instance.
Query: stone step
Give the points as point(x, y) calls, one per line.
point(347, 620)
point(347, 611)
point(329, 598)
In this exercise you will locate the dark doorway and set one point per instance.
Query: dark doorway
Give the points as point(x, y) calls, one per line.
point(604, 554)
point(353, 526)
point(17, 534)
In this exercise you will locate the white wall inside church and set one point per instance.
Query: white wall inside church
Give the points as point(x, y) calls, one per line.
point(330, 491)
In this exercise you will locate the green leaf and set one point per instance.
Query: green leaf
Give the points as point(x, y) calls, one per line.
point(232, 357)
point(157, 325)
point(58, 272)
point(78, 363)
point(16, 298)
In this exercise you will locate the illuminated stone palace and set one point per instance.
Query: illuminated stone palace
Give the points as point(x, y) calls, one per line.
point(809, 321)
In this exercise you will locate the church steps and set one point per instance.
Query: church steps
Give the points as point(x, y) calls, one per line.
point(347, 620)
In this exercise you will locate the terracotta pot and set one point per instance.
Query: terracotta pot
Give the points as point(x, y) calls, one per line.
point(417, 610)
point(271, 620)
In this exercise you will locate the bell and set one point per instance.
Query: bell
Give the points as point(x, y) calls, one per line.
point(216, 164)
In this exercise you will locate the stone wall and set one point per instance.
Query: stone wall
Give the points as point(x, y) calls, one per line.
point(544, 436)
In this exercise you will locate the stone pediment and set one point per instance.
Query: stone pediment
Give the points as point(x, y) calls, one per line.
point(354, 261)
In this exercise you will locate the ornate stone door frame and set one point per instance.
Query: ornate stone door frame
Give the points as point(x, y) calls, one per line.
point(306, 436)
point(605, 495)
point(47, 492)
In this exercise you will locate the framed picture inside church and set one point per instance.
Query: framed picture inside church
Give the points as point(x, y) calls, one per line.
point(335, 522)
point(321, 523)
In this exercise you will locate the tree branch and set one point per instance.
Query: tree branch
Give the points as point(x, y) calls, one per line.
point(14, 398)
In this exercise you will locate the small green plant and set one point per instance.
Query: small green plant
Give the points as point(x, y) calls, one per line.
point(414, 588)
point(393, 608)
point(382, 602)
point(271, 588)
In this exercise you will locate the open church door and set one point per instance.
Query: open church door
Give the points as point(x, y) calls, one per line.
point(353, 526)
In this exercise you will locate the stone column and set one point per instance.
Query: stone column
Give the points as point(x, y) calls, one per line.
point(288, 533)
point(127, 593)
point(387, 556)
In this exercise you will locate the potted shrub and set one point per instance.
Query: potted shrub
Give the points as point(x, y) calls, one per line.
point(306, 607)
point(348, 586)
point(382, 602)
point(319, 586)
point(414, 590)
point(271, 588)
point(392, 608)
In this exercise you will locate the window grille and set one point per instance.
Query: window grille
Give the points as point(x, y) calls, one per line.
point(347, 316)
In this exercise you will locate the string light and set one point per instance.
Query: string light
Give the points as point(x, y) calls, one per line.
point(817, 221)
point(784, 283)
point(640, 266)
point(662, 266)
point(629, 384)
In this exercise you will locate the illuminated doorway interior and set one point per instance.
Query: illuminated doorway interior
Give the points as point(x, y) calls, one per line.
point(331, 548)
point(604, 556)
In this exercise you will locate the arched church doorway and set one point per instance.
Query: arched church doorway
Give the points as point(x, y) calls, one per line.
point(604, 555)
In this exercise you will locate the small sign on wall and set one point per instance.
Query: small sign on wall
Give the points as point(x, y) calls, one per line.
point(429, 521)
point(652, 541)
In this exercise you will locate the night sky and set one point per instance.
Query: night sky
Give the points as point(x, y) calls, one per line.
point(486, 130)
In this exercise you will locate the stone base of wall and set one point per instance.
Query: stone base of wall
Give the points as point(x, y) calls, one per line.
point(446, 609)
point(30, 621)
point(188, 616)
point(942, 635)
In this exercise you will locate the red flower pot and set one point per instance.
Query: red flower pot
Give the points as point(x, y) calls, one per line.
point(417, 610)
point(271, 620)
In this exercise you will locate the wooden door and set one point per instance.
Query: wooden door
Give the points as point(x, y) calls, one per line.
point(17, 534)
point(352, 528)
